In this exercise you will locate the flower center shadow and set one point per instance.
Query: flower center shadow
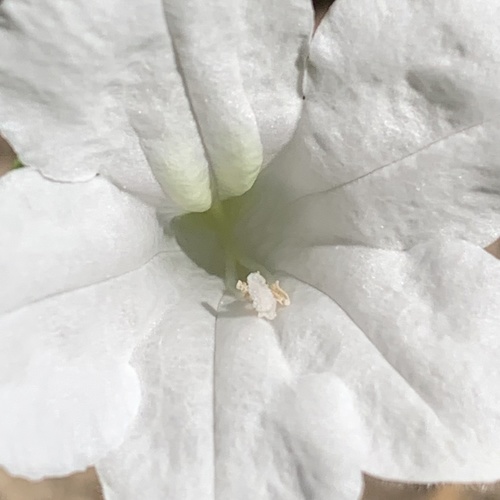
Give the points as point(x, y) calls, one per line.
point(201, 241)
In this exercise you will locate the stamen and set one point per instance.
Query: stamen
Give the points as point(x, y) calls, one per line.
point(279, 294)
point(264, 297)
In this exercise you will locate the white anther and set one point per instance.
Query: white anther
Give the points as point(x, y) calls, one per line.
point(264, 298)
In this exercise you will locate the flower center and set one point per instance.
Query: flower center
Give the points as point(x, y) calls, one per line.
point(212, 233)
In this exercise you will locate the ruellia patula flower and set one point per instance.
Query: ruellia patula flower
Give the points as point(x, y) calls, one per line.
point(243, 260)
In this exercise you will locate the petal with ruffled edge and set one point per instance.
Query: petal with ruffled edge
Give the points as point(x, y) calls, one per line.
point(398, 145)
point(396, 376)
point(423, 356)
point(100, 84)
point(89, 82)
point(87, 274)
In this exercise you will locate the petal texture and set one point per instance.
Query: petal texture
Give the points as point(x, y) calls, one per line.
point(399, 79)
point(287, 426)
point(275, 428)
point(89, 233)
point(242, 63)
point(109, 97)
point(169, 452)
point(398, 149)
point(451, 188)
point(84, 278)
point(396, 376)
point(420, 353)
point(107, 90)
point(399, 139)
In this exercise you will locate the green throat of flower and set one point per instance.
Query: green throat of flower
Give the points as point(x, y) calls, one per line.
point(244, 277)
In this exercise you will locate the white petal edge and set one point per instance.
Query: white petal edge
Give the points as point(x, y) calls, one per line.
point(427, 376)
point(99, 271)
point(109, 98)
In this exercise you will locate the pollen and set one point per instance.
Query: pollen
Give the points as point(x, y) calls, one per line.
point(264, 297)
point(279, 294)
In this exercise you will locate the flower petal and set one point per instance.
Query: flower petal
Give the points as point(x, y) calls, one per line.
point(58, 237)
point(273, 435)
point(451, 188)
point(389, 80)
point(423, 361)
point(287, 426)
point(242, 63)
point(103, 90)
point(400, 135)
point(85, 277)
point(169, 452)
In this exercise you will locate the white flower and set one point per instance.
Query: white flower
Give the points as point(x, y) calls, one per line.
point(117, 350)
